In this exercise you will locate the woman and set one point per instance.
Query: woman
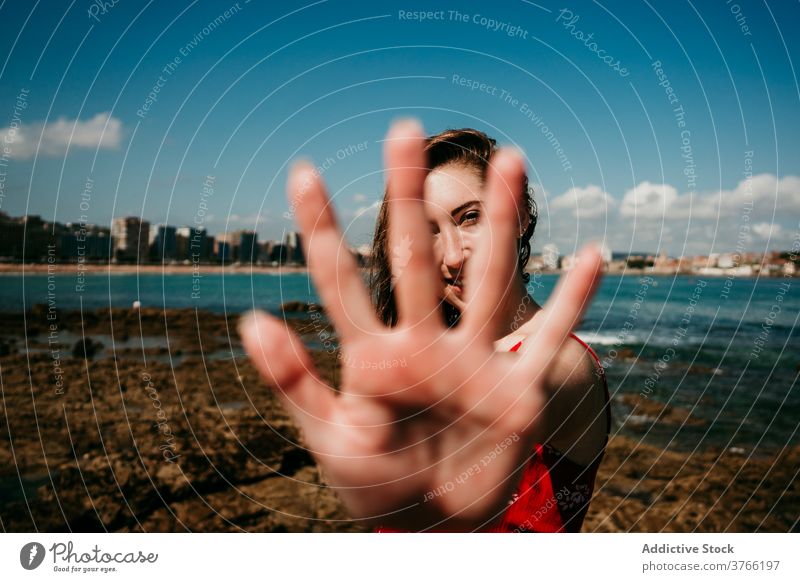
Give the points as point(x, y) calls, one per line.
point(458, 161)
point(443, 440)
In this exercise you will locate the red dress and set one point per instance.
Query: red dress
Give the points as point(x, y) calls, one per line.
point(554, 492)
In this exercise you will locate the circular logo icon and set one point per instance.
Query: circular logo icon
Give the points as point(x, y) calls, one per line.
point(31, 555)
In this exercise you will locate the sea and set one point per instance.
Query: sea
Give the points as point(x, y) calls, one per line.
point(723, 354)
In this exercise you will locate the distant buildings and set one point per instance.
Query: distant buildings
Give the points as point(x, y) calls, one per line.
point(606, 253)
point(130, 237)
point(238, 246)
point(550, 256)
point(288, 252)
point(25, 237)
point(84, 242)
point(29, 238)
point(568, 262)
point(725, 261)
point(193, 244)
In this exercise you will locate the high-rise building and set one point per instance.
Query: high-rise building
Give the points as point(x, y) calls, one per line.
point(200, 247)
point(130, 238)
point(294, 248)
point(207, 248)
point(248, 246)
point(182, 235)
point(223, 248)
point(163, 243)
point(266, 251)
point(279, 253)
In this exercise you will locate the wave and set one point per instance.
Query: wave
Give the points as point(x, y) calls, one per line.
point(654, 341)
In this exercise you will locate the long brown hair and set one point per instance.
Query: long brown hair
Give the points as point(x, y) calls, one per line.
point(467, 147)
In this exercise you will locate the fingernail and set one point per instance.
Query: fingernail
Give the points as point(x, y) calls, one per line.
point(516, 151)
point(521, 159)
point(302, 164)
point(302, 176)
point(595, 246)
point(408, 125)
point(249, 320)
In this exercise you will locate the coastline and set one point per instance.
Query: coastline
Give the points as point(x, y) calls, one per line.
point(166, 426)
point(238, 269)
point(69, 268)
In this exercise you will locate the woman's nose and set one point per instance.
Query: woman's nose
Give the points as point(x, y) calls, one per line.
point(454, 251)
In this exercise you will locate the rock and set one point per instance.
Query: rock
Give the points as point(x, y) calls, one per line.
point(86, 348)
point(645, 412)
point(7, 347)
point(301, 307)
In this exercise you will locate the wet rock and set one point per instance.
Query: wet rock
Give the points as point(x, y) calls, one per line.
point(92, 457)
point(7, 347)
point(645, 412)
point(86, 348)
point(301, 307)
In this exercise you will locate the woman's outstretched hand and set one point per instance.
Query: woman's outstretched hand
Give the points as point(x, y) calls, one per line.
point(432, 426)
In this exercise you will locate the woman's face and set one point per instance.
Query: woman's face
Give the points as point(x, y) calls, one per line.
point(454, 206)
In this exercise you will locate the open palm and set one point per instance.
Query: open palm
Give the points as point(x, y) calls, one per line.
point(432, 426)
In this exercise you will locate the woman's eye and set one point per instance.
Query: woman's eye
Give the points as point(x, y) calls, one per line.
point(470, 217)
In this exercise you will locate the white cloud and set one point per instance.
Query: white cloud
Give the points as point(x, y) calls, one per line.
point(768, 195)
point(767, 231)
point(653, 216)
point(359, 197)
point(588, 202)
point(648, 200)
point(54, 138)
point(759, 213)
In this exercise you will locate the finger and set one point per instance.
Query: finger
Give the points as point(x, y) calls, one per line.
point(280, 357)
point(330, 262)
point(563, 310)
point(416, 282)
point(492, 269)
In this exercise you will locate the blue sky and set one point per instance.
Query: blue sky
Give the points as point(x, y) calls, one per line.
point(264, 83)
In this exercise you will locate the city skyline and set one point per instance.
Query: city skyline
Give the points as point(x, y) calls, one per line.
point(684, 142)
point(123, 242)
point(131, 239)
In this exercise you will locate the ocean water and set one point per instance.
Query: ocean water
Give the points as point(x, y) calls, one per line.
point(724, 352)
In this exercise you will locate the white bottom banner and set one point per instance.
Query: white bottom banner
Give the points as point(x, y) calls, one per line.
point(388, 557)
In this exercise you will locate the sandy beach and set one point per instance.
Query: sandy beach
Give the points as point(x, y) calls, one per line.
point(167, 427)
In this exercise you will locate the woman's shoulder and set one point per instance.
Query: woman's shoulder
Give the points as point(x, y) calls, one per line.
point(575, 369)
point(577, 405)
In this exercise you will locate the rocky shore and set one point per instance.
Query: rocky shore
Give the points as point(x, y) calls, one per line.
point(128, 420)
